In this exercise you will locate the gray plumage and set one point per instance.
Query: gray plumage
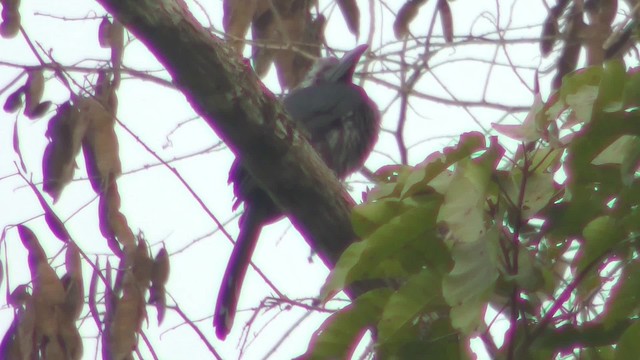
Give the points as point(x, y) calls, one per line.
point(343, 125)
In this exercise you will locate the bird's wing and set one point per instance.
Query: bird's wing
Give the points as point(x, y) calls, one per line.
point(321, 107)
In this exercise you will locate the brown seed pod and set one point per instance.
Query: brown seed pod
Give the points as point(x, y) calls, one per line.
point(10, 26)
point(14, 101)
point(103, 32)
point(34, 90)
point(39, 110)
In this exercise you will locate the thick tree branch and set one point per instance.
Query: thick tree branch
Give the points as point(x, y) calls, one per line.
point(230, 97)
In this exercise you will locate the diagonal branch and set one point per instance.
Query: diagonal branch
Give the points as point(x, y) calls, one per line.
point(229, 96)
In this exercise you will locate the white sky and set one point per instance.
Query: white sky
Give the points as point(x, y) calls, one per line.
point(156, 203)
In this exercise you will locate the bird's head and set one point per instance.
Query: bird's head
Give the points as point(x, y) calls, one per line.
point(331, 69)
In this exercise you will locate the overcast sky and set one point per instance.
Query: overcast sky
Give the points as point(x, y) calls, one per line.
point(157, 204)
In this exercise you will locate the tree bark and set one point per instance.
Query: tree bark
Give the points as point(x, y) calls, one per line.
point(225, 91)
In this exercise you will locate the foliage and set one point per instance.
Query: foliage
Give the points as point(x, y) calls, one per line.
point(539, 237)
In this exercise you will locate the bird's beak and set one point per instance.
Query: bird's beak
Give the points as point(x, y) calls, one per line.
point(347, 65)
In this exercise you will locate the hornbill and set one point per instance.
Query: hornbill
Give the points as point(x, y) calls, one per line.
point(342, 124)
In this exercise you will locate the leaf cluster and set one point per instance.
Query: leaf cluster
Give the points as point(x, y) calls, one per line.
point(538, 236)
point(47, 311)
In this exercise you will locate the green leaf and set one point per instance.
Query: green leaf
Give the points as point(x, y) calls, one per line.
point(582, 103)
point(463, 206)
point(544, 159)
point(568, 218)
point(611, 87)
point(420, 292)
point(433, 336)
point(614, 153)
point(593, 139)
point(470, 283)
point(591, 283)
point(630, 161)
point(600, 236)
point(631, 96)
point(593, 339)
point(367, 217)
point(629, 346)
point(624, 300)
point(530, 129)
point(539, 190)
point(529, 276)
point(572, 83)
point(579, 90)
point(599, 353)
point(337, 279)
point(390, 181)
point(428, 173)
point(336, 337)
point(413, 223)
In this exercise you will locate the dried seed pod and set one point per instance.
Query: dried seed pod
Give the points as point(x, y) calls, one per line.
point(10, 26)
point(14, 101)
point(237, 17)
point(142, 265)
point(405, 16)
point(444, 10)
point(159, 277)
point(104, 31)
point(351, 13)
point(39, 110)
point(34, 90)
point(100, 144)
point(66, 130)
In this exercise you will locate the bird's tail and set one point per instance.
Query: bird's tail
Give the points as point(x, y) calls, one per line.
point(237, 266)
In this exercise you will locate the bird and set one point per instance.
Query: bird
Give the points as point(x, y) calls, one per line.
point(342, 123)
